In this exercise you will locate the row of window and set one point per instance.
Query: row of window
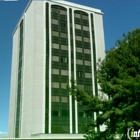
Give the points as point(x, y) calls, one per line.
point(85, 39)
point(56, 85)
point(58, 113)
point(54, 33)
point(80, 74)
point(80, 50)
point(63, 12)
point(64, 23)
point(57, 99)
point(85, 17)
point(87, 87)
point(63, 72)
point(63, 85)
point(64, 35)
point(65, 60)
point(78, 26)
point(65, 113)
point(65, 47)
point(56, 46)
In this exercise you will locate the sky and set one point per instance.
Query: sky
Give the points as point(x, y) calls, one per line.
point(120, 16)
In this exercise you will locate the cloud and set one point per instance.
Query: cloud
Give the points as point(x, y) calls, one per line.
point(3, 133)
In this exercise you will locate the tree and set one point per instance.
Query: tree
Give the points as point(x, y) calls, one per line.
point(119, 78)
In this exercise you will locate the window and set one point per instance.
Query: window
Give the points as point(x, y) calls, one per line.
point(86, 39)
point(55, 58)
point(65, 113)
point(64, 59)
point(64, 35)
point(64, 99)
point(86, 28)
point(88, 88)
point(55, 99)
point(54, 21)
point(87, 51)
point(80, 74)
point(55, 113)
point(63, 23)
point(81, 86)
point(55, 46)
point(87, 63)
point(63, 85)
point(79, 62)
point(79, 38)
point(55, 84)
point(55, 71)
point(62, 12)
point(77, 15)
point(87, 75)
point(54, 33)
point(64, 47)
point(54, 10)
point(64, 72)
point(79, 50)
point(77, 26)
point(85, 17)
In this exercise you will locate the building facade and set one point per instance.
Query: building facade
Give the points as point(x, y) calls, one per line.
point(53, 42)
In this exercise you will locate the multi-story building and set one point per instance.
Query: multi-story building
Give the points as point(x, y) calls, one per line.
point(53, 42)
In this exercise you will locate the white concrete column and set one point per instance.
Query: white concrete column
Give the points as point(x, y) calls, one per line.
point(50, 62)
point(74, 54)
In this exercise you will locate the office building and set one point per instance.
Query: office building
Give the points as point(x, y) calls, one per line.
point(53, 41)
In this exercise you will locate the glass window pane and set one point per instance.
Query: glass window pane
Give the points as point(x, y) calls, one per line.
point(84, 17)
point(79, 62)
point(55, 99)
point(55, 84)
point(86, 28)
point(77, 15)
point(65, 113)
point(77, 26)
point(54, 10)
point(55, 46)
point(81, 86)
point(54, 33)
point(63, 85)
point(79, 38)
point(86, 39)
point(64, 72)
point(55, 71)
point(87, 51)
point(88, 88)
point(80, 74)
point(87, 63)
point(54, 21)
point(64, 35)
point(64, 59)
point(64, 99)
point(55, 113)
point(55, 58)
point(87, 75)
point(79, 50)
point(64, 47)
point(62, 12)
